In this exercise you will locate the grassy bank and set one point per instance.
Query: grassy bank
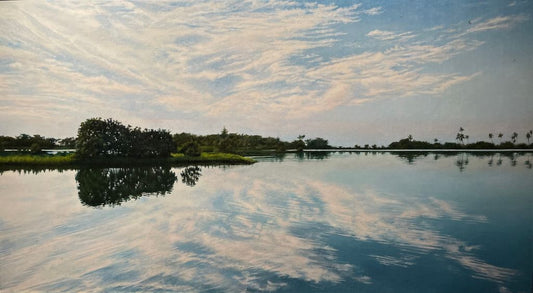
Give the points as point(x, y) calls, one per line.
point(71, 160)
point(37, 160)
point(209, 158)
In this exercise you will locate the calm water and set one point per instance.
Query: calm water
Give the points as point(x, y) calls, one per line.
point(316, 223)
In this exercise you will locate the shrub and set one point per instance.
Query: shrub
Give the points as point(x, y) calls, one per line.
point(35, 148)
point(191, 149)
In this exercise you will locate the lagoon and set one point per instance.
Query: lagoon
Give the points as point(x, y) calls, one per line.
point(313, 222)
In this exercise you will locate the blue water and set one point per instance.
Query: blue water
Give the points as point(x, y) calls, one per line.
point(337, 222)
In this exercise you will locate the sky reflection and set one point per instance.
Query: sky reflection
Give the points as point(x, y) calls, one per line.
point(264, 227)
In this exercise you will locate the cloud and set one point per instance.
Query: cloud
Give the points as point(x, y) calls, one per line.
point(389, 36)
point(374, 11)
point(497, 23)
point(204, 60)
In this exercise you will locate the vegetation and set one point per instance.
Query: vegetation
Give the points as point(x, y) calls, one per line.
point(226, 142)
point(35, 142)
point(29, 159)
point(208, 158)
point(110, 143)
point(99, 138)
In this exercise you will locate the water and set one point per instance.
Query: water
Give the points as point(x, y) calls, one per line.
point(339, 222)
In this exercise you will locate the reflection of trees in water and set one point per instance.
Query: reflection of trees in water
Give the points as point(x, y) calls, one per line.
point(411, 157)
point(462, 158)
point(462, 161)
point(112, 186)
point(191, 175)
point(313, 155)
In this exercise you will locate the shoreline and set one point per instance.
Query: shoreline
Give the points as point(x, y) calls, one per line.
point(70, 161)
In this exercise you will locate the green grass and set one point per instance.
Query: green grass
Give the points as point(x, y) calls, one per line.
point(222, 158)
point(59, 160)
point(23, 159)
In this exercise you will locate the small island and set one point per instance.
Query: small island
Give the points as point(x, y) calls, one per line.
point(109, 143)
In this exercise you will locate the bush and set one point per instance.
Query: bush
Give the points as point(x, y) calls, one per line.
point(35, 148)
point(191, 149)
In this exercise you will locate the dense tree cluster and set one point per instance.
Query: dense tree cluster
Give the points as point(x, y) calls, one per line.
point(229, 142)
point(109, 138)
point(317, 143)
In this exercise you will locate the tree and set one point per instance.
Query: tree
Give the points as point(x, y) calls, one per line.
point(514, 136)
point(317, 143)
point(109, 138)
point(528, 135)
point(460, 135)
point(299, 144)
point(35, 148)
point(490, 137)
point(191, 149)
point(68, 142)
point(500, 135)
point(224, 133)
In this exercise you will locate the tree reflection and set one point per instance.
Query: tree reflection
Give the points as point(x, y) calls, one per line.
point(313, 155)
point(191, 175)
point(112, 186)
point(462, 161)
point(411, 157)
point(462, 158)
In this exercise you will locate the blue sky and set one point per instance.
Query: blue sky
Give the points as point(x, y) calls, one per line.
point(351, 72)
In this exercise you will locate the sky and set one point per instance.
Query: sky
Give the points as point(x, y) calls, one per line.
point(353, 72)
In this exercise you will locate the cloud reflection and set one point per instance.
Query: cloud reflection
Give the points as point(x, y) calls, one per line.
point(241, 229)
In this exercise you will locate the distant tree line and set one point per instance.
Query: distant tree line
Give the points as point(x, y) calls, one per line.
point(242, 143)
point(35, 143)
point(462, 142)
point(109, 138)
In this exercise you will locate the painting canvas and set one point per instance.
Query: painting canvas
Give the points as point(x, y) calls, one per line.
point(266, 146)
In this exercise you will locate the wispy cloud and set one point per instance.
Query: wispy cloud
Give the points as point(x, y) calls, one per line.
point(204, 60)
point(388, 36)
point(496, 23)
point(374, 11)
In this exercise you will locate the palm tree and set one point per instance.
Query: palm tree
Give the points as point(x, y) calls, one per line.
point(490, 136)
point(460, 136)
point(528, 135)
point(500, 135)
point(514, 136)
point(410, 137)
point(467, 137)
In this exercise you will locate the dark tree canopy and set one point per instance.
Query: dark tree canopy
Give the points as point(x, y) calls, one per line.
point(109, 138)
point(318, 143)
